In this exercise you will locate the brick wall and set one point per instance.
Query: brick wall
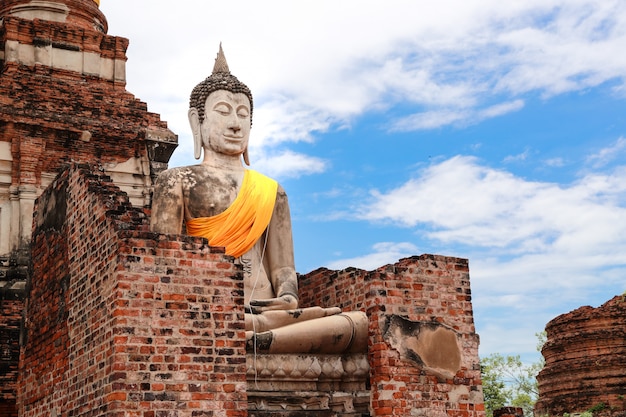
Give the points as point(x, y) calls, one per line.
point(124, 322)
point(11, 305)
point(45, 358)
point(418, 292)
point(52, 114)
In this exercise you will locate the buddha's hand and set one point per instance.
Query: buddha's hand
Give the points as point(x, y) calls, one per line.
point(284, 302)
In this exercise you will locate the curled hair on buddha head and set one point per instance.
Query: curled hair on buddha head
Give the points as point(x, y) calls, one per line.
point(220, 79)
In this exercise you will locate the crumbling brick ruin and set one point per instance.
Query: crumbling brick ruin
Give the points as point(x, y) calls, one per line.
point(585, 367)
point(123, 322)
point(62, 99)
point(423, 349)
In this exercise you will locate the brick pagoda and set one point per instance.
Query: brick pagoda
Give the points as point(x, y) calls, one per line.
point(585, 354)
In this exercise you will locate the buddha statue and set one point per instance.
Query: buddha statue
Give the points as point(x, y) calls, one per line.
point(248, 214)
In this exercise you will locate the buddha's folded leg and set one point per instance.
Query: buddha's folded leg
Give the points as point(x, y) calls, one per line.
point(340, 333)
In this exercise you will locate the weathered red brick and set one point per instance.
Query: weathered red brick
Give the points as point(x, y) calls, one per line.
point(124, 359)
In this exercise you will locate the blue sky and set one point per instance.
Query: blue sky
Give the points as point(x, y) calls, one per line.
point(490, 130)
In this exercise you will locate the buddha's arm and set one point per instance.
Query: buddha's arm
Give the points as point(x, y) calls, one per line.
point(279, 259)
point(167, 204)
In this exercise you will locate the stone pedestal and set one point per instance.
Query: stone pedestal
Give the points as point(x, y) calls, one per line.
point(312, 385)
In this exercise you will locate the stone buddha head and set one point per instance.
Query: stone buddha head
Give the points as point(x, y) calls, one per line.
point(220, 112)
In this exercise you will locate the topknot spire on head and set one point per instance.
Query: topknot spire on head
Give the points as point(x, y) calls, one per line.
point(220, 79)
point(220, 62)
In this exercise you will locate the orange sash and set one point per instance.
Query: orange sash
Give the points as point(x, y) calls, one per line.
point(240, 226)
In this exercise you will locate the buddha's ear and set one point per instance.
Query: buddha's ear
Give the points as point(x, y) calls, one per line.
point(246, 158)
point(196, 131)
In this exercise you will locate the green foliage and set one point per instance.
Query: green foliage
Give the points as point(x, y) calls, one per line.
point(598, 407)
point(509, 382)
point(494, 389)
point(542, 338)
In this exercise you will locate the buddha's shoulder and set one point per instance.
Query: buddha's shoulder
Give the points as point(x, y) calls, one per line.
point(183, 173)
point(280, 190)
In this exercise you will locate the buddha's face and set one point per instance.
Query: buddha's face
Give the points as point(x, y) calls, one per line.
point(226, 125)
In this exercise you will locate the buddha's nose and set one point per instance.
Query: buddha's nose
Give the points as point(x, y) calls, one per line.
point(234, 125)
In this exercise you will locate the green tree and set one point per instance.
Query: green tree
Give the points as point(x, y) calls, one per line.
point(507, 381)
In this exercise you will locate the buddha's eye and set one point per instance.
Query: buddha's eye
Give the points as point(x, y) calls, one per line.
point(243, 112)
point(222, 109)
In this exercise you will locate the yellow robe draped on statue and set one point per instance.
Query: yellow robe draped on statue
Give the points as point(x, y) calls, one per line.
point(240, 226)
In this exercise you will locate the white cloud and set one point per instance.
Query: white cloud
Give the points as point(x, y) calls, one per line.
point(383, 253)
point(460, 201)
point(284, 120)
point(570, 51)
point(524, 237)
point(535, 248)
point(607, 155)
point(555, 162)
point(453, 116)
point(500, 109)
point(429, 120)
point(519, 157)
point(450, 58)
point(288, 164)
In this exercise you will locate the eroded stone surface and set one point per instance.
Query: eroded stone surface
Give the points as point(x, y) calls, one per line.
point(428, 344)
